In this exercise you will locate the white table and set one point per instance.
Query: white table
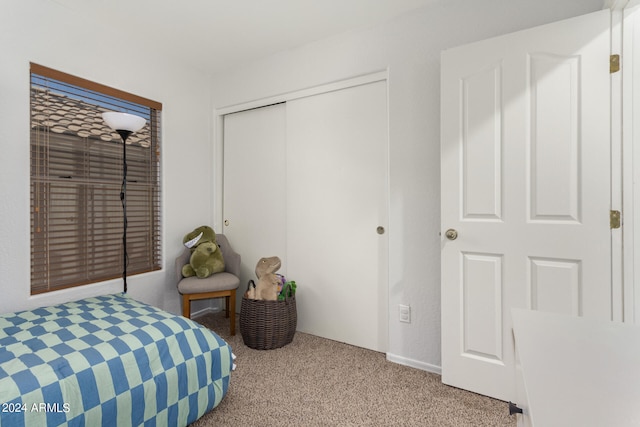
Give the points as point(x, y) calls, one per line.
point(577, 371)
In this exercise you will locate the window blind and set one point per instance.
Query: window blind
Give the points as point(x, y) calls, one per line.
point(76, 178)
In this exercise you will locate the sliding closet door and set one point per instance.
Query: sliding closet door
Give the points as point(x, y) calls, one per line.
point(254, 187)
point(337, 213)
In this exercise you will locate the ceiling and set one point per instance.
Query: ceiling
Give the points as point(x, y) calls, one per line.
point(218, 34)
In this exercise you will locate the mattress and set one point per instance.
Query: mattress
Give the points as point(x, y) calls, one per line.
point(111, 361)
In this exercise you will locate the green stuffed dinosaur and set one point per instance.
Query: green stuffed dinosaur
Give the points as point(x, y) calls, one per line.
point(206, 257)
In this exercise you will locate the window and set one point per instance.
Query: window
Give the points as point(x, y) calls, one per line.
point(76, 179)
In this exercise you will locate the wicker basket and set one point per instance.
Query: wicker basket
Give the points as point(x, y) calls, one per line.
point(266, 325)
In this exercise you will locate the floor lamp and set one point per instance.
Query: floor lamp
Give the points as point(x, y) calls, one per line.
point(125, 124)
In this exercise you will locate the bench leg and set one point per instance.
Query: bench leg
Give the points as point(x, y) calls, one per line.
point(231, 312)
point(186, 306)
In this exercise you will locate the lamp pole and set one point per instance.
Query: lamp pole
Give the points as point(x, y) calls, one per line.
point(125, 124)
point(124, 134)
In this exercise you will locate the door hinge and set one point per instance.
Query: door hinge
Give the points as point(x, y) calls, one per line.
point(614, 64)
point(614, 219)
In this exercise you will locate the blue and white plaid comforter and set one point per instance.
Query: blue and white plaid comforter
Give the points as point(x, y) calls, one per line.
point(109, 361)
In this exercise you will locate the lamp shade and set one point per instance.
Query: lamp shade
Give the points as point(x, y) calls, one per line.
point(123, 121)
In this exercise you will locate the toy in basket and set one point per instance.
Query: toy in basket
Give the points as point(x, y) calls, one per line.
point(268, 316)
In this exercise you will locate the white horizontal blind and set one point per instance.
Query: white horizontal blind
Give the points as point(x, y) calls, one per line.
point(76, 180)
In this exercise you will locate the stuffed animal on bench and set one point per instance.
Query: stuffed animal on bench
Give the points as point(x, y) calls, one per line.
point(268, 282)
point(206, 257)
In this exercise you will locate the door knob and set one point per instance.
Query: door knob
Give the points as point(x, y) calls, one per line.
point(380, 229)
point(226, 222)
point(451, 234)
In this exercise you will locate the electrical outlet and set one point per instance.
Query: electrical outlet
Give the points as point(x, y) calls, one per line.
point(405, 313)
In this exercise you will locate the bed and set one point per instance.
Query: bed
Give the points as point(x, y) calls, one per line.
point(111, 361)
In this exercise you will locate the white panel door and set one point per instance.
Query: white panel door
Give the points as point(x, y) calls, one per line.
point(254, 193)
point(336, 200)
point(526, 185)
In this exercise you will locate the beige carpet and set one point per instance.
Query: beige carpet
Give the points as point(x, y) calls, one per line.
point(319, 382)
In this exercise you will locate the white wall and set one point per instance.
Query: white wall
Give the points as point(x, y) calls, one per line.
point(631, 161)
point(409, 48)
point(43, 32)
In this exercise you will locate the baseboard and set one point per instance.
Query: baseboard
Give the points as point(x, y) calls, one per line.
point(414, 364)
point(204, 311)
